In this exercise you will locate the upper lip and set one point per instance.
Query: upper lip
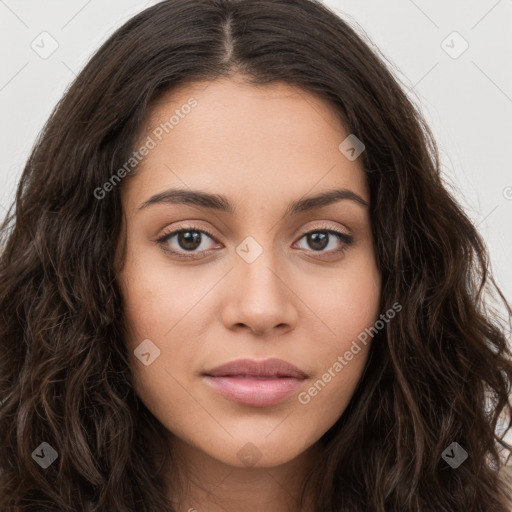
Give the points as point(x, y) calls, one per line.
point(249, 367)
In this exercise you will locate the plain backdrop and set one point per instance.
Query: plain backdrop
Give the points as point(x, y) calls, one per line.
point(453, 58)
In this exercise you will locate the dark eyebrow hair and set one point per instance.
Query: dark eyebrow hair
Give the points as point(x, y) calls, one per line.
point(222, 203)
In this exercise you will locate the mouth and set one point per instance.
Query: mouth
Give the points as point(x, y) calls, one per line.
point(253, 383)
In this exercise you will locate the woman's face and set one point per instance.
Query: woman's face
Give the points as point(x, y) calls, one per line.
point(257, 286)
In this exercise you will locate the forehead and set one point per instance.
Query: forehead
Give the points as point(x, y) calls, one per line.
point(229, 104)
point(242, 139)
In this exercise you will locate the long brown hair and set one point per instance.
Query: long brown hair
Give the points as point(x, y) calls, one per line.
point(438, 373)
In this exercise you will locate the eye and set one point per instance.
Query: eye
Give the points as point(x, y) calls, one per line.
point(188, 239)
point(320, 239)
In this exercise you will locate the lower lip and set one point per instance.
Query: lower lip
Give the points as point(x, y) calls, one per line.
point(253, 391)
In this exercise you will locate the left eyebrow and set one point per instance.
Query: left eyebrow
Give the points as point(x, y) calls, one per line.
point(222, 203)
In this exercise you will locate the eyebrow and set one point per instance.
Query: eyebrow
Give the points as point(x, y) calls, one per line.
point(221, 203)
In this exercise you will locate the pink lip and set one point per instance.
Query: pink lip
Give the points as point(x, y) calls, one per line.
point(256, 383)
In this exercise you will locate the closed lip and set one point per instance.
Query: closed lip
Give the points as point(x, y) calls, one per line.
point(250, 368)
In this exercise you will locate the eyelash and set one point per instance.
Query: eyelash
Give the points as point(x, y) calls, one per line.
point(342, 237)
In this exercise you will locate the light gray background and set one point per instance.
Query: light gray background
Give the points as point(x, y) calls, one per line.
point(466, 100)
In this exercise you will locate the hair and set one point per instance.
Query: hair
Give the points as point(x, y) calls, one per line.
point(439, 372)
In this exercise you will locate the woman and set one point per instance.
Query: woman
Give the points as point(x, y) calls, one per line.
point(234, 280)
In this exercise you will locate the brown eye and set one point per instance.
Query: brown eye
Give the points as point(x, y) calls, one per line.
point(189, 240)
point(318, 240)
point(185, 240)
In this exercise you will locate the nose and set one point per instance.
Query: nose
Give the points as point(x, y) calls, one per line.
point(261, 298)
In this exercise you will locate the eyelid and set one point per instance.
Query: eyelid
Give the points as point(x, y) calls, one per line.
point(324, 227)
point(186, 227)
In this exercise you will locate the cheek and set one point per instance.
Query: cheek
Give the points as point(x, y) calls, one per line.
point(328, 395)
point(350, 302)
point(153, 314)
point(351, 312)
point(349, 308)
point(155, 300)
point(161, 306)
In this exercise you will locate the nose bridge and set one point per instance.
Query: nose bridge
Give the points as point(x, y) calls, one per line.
point(261, 299)
point(257, 265)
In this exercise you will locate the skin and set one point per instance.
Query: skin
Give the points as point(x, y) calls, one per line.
point(262, 147)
